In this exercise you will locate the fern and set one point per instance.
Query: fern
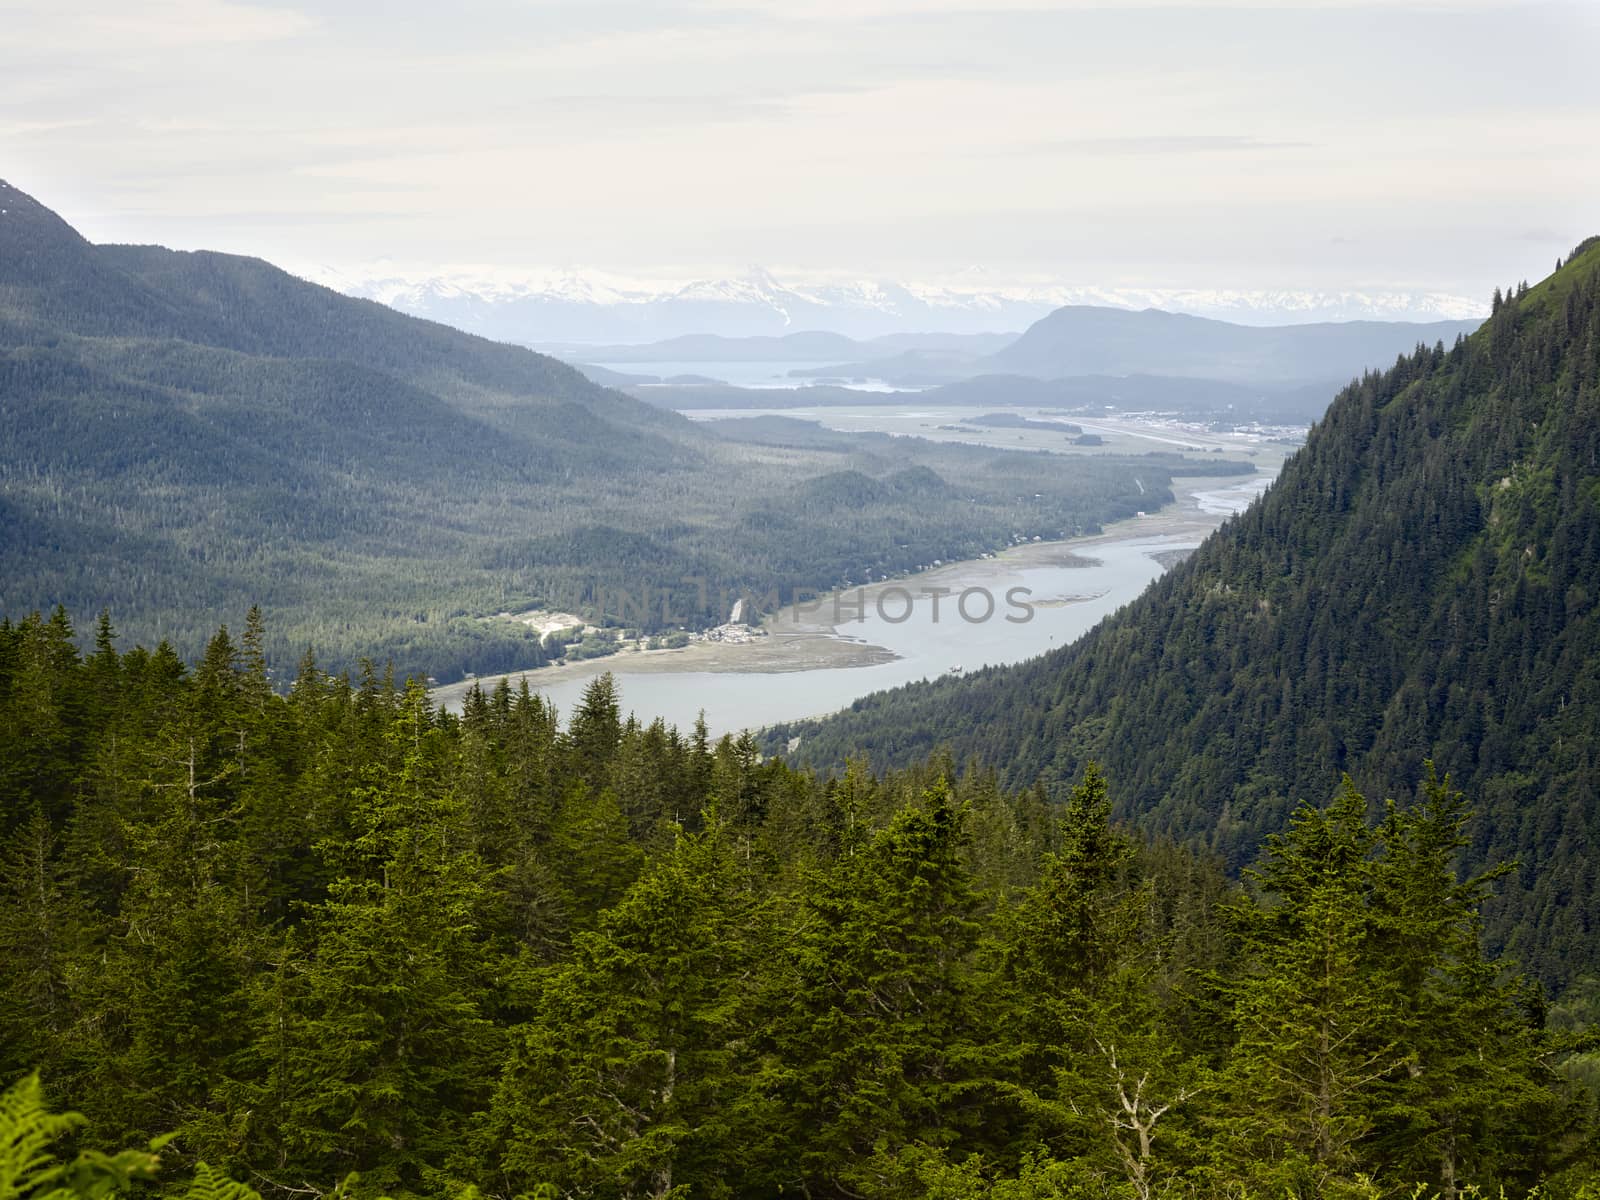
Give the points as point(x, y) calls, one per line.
point(31, 1170)
point(27, 1128)
point(211, 1184)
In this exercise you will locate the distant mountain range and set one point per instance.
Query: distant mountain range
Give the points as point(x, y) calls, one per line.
point(1085, 340)
point(1076, 355)
point(594, 308)
point(1079, 340)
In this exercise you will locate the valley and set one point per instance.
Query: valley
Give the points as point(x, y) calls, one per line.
point(1136, 756)
point(818, 655)
point(379, 485)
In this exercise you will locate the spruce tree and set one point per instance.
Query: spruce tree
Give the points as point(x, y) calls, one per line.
point(632, 1079)
point(1316, 1024)
point(869, 1043)
point(371, 1047)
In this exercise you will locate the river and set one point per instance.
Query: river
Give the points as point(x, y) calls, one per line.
point(1043, 596)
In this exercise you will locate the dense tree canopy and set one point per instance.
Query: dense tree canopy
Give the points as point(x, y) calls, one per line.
point(1419, 583)
point(339, 938)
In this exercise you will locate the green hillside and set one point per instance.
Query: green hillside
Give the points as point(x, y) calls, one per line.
point(1420, 582)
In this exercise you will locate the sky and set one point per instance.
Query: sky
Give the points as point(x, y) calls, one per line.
point(1348, 144)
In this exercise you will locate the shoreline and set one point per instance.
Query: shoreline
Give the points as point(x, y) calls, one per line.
point(798, 641)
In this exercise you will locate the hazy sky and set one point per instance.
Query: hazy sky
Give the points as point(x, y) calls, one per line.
point(1381, 144)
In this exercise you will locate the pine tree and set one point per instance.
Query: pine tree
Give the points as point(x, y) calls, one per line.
point(868, 1037)
point(181, 951)
point(1316, 1025)
point(591, 857)
point(47, 934)
point(1096, 1068)
point(595, 729)
point(1475, 1099)
point(1076, 921)
point(631, 1080)
point(372, 1047)
point(39, 721)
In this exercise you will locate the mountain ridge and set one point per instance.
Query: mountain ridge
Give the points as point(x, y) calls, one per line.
point(1418, 584)
point(1086, 340)
point(187, 434)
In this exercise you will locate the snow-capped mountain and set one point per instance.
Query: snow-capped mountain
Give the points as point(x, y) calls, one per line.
point(578, 306)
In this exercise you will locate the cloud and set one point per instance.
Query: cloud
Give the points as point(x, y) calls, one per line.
point(868, 10)
point(101, 25)
point(1159, 144)
point(1114, 138)
point(23, 129)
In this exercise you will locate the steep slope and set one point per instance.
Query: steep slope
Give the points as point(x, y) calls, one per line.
point(182, 434)
point(1421, 582)
point(185, 434)
point(256, 308)
point(53, 283)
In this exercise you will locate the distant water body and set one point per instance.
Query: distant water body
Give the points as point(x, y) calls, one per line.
point(1069, 601)
point(756, 375)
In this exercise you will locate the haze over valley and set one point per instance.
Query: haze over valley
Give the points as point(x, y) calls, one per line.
point(589, 307)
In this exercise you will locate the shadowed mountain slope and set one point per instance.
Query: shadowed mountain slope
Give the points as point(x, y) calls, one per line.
point(1420, 582)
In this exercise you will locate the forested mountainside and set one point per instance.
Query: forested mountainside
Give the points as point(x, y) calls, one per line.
point(183, 435)
point(341, 943)
point(1420, 582)
point(55, 283)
